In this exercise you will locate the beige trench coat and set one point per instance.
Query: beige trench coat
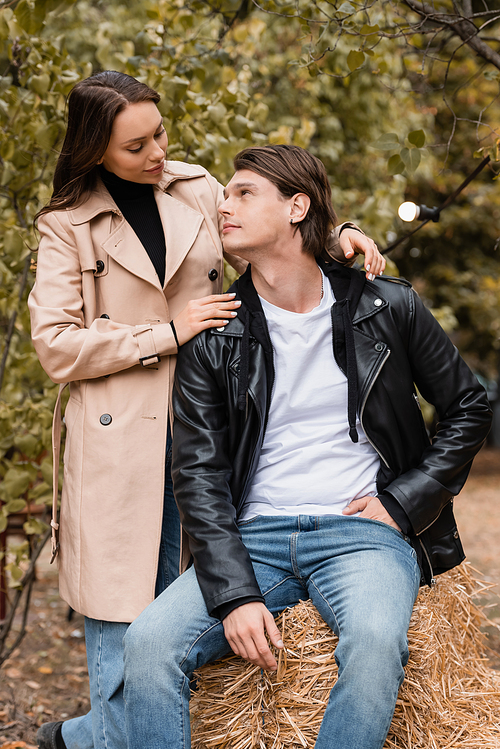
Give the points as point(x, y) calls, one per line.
point(97, 307)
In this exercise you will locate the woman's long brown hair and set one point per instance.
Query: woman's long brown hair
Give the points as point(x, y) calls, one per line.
point(92, 107)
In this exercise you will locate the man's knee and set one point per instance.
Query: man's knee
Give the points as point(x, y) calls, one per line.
point(374, 645)
point(139, 644)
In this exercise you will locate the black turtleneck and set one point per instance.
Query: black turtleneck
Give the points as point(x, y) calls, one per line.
point(138, 205)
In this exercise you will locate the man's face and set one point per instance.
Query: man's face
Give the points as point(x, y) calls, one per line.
point(256, 216)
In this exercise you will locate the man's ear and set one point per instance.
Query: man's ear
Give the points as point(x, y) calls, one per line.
point(299, 206)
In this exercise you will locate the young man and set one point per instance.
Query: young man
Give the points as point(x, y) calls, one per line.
point(302, 467)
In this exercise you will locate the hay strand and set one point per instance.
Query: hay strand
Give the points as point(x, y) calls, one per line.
point(450, 699)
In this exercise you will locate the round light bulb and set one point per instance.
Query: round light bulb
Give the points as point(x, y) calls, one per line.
point(408, 211)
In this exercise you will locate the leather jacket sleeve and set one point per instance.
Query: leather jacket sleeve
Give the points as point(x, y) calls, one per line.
point(201, 471)
point(463, 412)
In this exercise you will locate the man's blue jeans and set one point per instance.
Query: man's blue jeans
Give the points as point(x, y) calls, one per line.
point(363, 578)
point(104, 726)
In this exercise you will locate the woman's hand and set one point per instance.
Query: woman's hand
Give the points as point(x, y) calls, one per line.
point(200, 314)
point(352, 241)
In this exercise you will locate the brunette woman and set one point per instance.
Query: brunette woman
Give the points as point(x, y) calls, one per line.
point(130, 267)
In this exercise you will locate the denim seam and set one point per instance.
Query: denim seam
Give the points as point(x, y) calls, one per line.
point(293, 555)
point(183, 722)
point(201, 634)
point(327, 603)
point(99, 692)
point(277, 585)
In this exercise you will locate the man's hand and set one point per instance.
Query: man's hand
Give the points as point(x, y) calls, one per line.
point(372, 508)
point(352, 241)
point(245, 629)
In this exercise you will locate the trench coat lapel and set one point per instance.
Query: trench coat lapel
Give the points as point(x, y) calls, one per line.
point(181, 225)
point(124, 246)
point(122, 243)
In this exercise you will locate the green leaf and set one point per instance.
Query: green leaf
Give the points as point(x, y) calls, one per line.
point(39, 83)
point(387, 142)
point(27, 444)
point(26, 17)
point(15, 505)
point(395, 165)
point(367, 29)
point(15, 482)
point(347, 8)
point(3, 523)
point(15, 571)
point(174, 88)
point(188, 135)
point(46, 469)
point(217, 112)
point(355, 59)
point(34, 526)
point(47, 136)
point(239, 126)
point(417, 138)
point(411, 158)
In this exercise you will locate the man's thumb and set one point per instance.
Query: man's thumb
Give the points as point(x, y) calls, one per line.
point(273, 632)
point(351, 508)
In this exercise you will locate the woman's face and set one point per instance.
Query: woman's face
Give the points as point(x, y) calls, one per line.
point(138, 144)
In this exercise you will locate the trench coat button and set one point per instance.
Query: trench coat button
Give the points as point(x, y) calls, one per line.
point(99, 266)
point(455, 535)
point(105, 420)
point(213, 274)
point(105, 317)
point(220, 330)
point(379, 347)
point(378, 302)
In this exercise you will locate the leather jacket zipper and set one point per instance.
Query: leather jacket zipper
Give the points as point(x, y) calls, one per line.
point(433, 579)
point(387, 354)
point(433, 521)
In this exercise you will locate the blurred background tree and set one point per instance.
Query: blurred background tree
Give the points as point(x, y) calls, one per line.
point(396, 98)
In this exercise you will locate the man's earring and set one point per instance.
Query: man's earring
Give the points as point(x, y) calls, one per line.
point(291, 220)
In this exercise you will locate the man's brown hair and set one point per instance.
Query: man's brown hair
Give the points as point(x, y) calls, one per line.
point(292, 170)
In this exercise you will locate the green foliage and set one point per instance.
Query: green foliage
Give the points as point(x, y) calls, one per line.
point(397, 110)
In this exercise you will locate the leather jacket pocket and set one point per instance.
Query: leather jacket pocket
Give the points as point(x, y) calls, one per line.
point(443, 542)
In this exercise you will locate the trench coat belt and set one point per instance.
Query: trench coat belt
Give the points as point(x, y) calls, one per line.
point(56, 452)
point(146, 342)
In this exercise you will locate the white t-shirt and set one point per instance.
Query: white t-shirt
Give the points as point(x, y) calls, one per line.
point(308, 464)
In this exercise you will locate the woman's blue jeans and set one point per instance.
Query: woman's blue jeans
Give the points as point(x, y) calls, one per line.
point(363, 578)
point(104, 726)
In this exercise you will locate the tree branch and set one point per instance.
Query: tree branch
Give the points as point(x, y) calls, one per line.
point(460, 26)
point(26, 582)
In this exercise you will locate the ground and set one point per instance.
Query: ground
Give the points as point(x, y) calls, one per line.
point(46, 678)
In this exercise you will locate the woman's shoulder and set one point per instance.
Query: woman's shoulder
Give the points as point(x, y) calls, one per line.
point(92, 204)
point(179, 172)
point(182, 169)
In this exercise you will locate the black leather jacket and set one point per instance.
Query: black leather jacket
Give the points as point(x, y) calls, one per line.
point(398, 344)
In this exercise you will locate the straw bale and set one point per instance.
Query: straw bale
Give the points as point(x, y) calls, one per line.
point(450, 698)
